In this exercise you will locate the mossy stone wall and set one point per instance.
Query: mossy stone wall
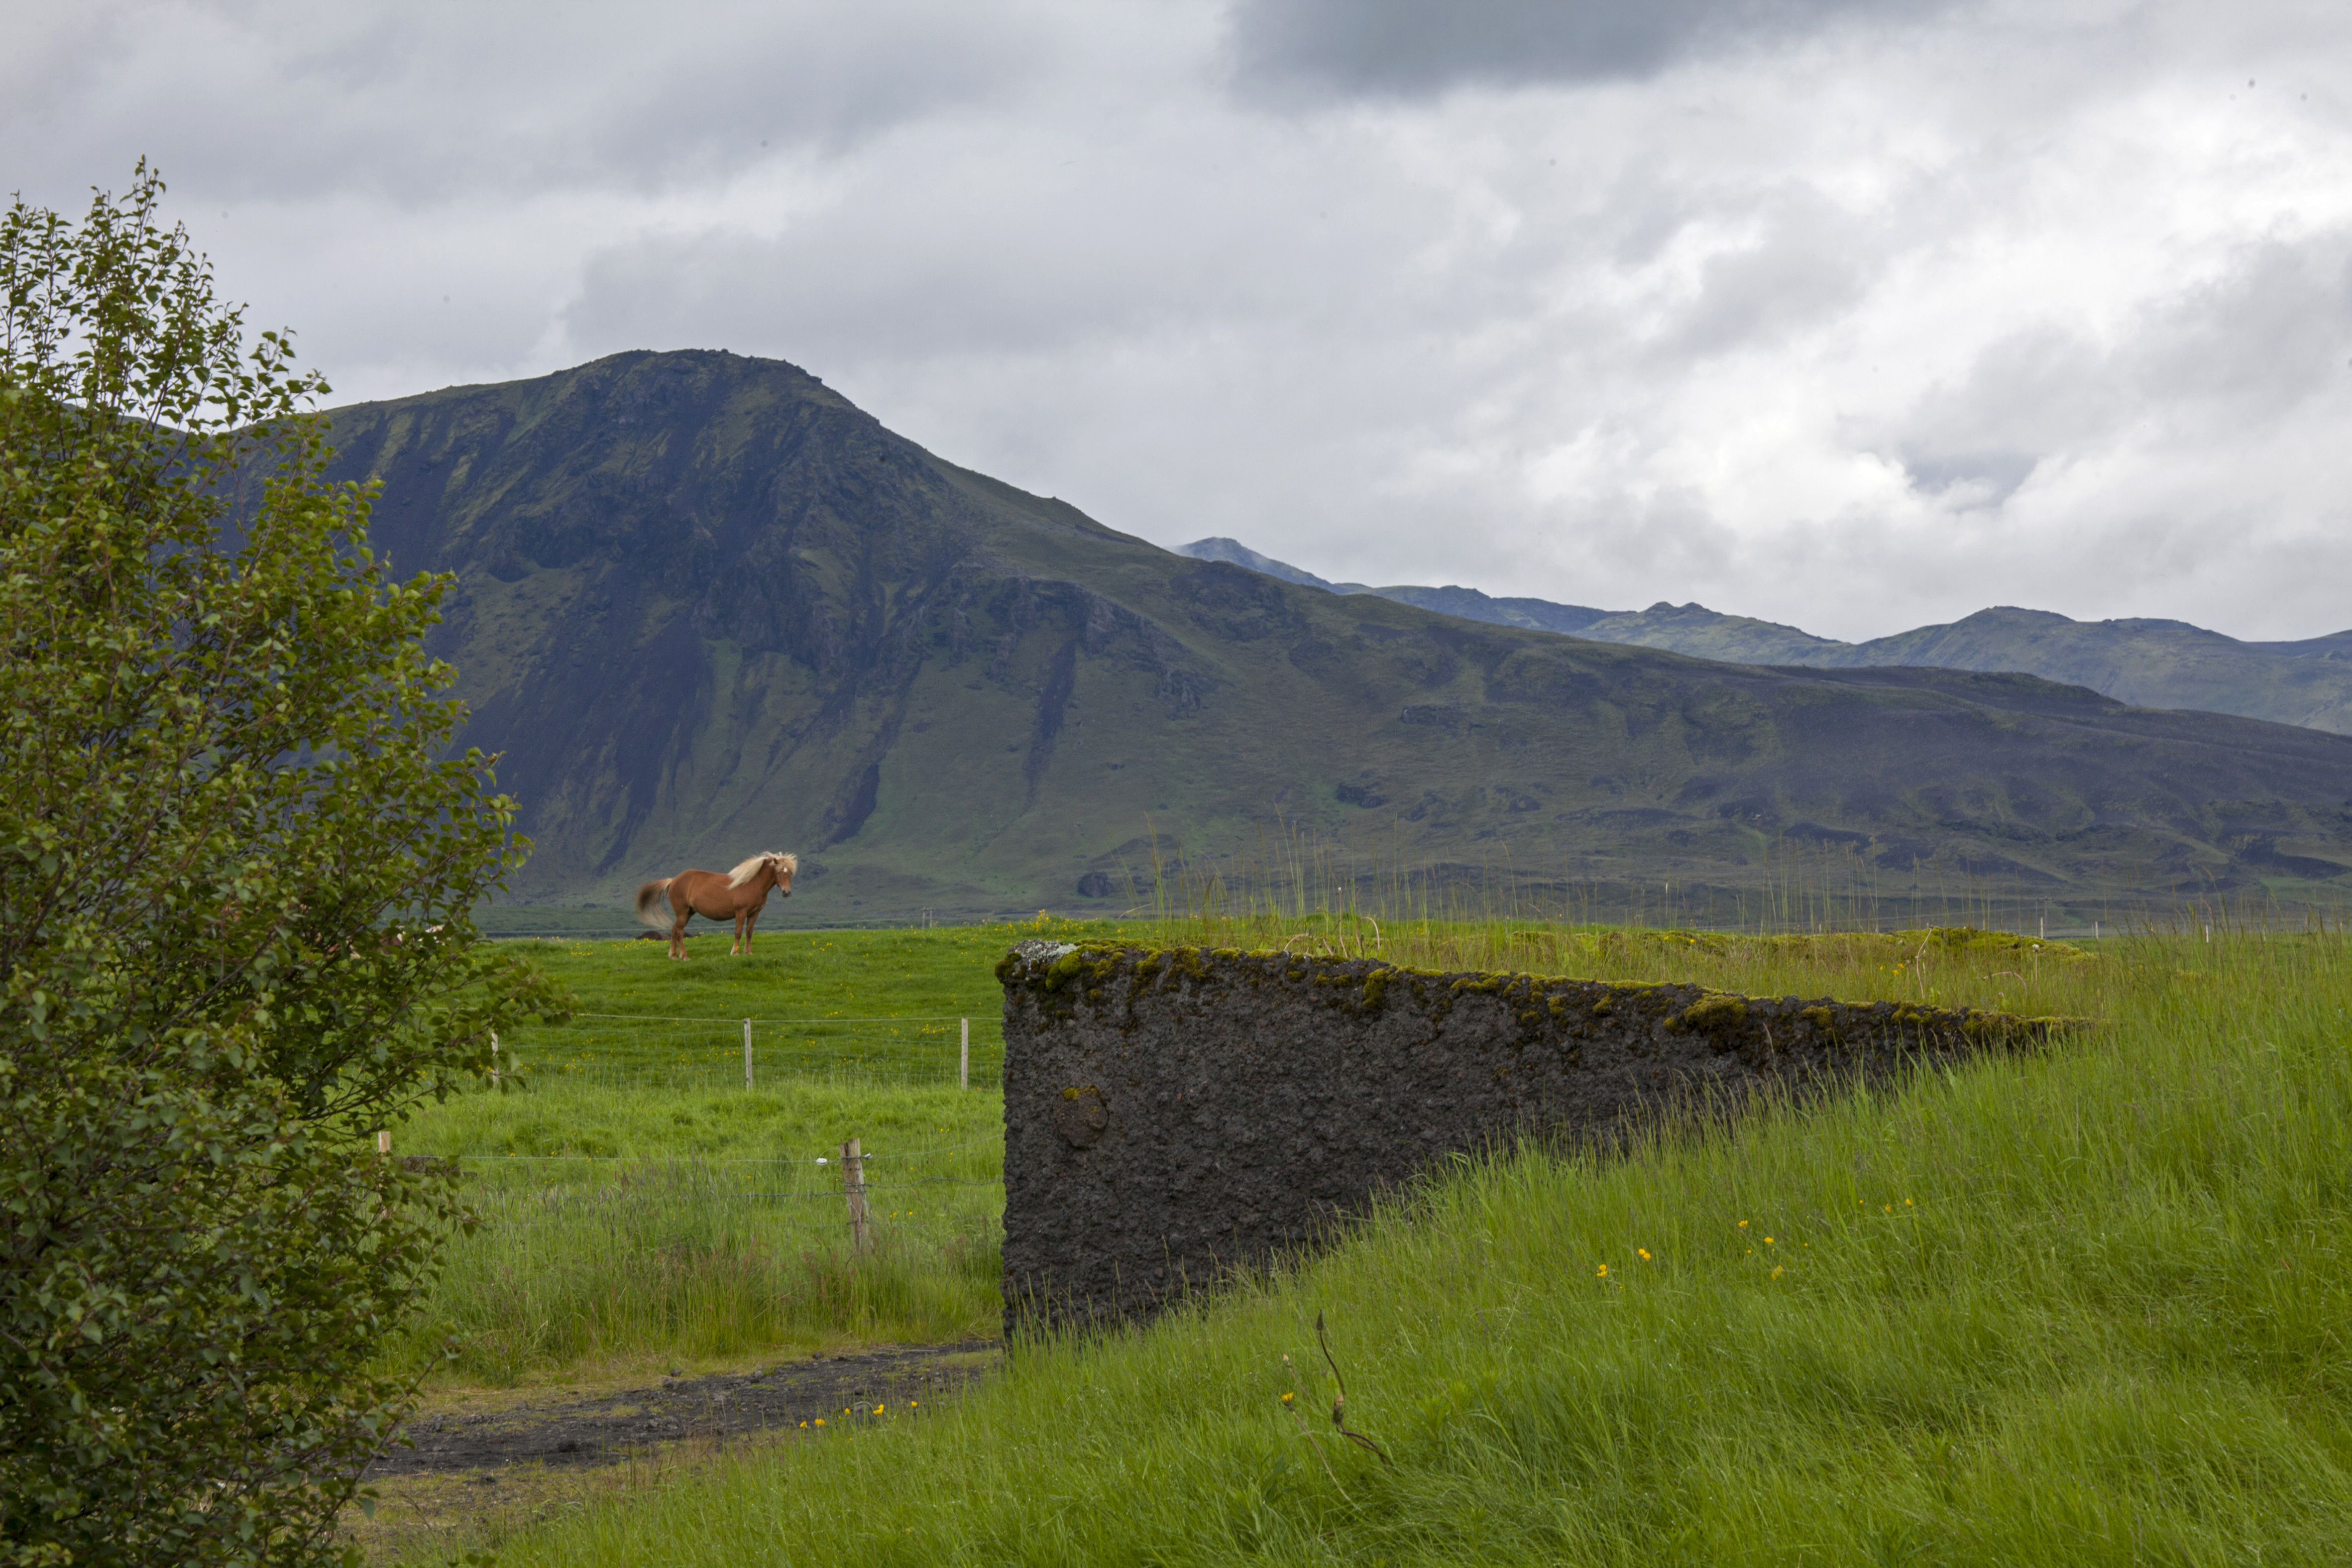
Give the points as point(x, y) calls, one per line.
point(1170, 1114)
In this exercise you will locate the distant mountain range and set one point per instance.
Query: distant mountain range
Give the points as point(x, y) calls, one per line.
point(2148, 663)
point(707, 606)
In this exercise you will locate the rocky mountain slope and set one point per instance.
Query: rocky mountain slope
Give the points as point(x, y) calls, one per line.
point(707, 606)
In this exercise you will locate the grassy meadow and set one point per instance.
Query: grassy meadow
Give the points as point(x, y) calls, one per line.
point(871, 1006)
point(2085, 1306)
point(699, 1229)
point(642, 1209)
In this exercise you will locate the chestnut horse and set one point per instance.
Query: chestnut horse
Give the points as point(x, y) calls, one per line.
point(740, 894)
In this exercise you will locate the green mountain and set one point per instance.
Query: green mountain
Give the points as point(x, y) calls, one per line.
point(1469, 604)
point(705, 606)
point(2148, 663)
point(2153, 663)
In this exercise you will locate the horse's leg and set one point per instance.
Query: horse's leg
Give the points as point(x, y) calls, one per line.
point(742, 932)
point(750, 924)
point(678, 931)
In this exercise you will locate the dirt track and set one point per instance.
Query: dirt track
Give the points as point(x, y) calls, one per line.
point(610, 1427)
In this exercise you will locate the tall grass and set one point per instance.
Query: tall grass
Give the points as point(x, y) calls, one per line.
point(1947, 966)
point(2087, 1306)
point(639, 1206)
point(630, 1218)
point(621, 1228)
point(1796, 884)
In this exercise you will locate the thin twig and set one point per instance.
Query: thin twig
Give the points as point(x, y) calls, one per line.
point(1339, 1403)
point(1309, 1433)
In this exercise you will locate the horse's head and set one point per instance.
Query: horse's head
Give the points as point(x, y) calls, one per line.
point(782, 866)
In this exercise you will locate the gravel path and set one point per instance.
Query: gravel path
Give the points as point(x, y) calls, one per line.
point(604, 1429)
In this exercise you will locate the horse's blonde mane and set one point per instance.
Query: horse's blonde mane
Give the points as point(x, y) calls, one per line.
point(750, 869)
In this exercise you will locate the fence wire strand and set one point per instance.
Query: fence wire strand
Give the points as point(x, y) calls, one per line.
point(680, 1054)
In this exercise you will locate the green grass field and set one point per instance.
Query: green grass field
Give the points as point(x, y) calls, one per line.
point(642, 1208)
point(870, 1006)
point(2088, 1306)
point(634, 1228)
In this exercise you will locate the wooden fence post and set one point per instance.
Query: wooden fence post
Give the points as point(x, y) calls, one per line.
point(853, 1183)
point(494, 1059)
point(963, 1063)
point(383, 1141)
point(747, 1053)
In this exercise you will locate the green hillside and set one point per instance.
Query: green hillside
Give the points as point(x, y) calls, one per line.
point(2155, 663)
point(1702, 633)
point(2080, 1306)
point(2149, 663)
point(707, 606)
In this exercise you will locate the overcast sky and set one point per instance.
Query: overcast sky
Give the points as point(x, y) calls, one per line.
point(1851, 315)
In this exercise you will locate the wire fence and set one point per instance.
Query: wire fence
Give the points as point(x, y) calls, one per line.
point(633, 1052)
point(948, 1189)
point(949, 1194)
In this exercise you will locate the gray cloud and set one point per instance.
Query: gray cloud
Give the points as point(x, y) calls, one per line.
point(272, 103)
point(1804, 265)
point(1411, 47)
point(1973, 479)
point(2263, 337)
point(2035, 393)
point(1858, 317)
point(2247, 349)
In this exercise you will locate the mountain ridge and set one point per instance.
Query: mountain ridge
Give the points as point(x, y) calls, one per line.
point(2147, 661)
point(706, 606)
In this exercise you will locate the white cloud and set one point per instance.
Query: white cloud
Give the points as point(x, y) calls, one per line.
point(1849, 316)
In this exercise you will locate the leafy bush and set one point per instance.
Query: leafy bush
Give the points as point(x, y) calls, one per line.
point(236, 865)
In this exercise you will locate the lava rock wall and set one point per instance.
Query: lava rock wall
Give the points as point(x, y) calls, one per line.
point(1169, 1115)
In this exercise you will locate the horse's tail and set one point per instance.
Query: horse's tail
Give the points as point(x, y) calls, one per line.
point(648, 896)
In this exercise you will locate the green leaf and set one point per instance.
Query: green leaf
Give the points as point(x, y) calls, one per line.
point(201, 1020)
